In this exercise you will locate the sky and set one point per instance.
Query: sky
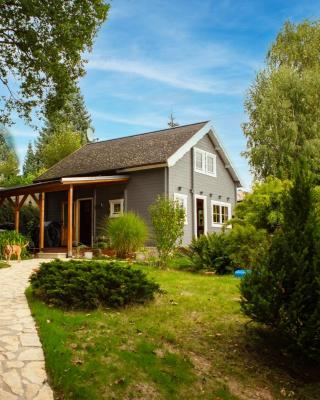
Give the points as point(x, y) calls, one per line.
point(195, 59)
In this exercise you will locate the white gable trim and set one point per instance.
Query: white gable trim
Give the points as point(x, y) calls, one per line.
point(189, 144)
point(206, 129)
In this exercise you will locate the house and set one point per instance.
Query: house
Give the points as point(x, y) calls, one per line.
point(104, 179)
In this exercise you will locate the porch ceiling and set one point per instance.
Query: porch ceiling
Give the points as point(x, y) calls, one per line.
point(61, 185)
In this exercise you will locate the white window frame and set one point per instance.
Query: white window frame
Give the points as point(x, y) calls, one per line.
point(184, 200)
point(224, 204)
point(205, 155)
point(204, 161)
point(214, 158)
point(112, 203)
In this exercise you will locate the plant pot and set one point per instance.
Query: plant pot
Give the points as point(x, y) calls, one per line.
point(88, 255)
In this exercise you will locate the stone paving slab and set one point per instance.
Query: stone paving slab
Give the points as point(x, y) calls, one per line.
point(22, 368)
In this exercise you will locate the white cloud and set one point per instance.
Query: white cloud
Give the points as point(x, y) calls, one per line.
point(148, 120)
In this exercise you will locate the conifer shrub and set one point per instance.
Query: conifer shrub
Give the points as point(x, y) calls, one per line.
point(284, 291)
point(78, 284)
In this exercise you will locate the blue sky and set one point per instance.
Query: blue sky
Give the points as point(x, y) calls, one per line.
point(195, 59)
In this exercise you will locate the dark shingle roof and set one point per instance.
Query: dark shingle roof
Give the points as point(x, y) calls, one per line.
point(126, 152)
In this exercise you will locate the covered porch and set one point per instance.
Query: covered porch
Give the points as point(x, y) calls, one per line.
point(17, 196)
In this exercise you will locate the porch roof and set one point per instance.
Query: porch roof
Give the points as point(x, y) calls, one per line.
point(61, 184)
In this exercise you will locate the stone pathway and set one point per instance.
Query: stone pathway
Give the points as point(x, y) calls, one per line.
point(22, 368)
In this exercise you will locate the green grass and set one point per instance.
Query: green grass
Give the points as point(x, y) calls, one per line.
point(192, 342)
point(4, 264)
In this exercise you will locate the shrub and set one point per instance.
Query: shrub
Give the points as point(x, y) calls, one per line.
point(168, 218)
point(12, 237)
point(211, 252)
point(247, 245)
point(127, 233)
point(80, 284)
point(284, 292)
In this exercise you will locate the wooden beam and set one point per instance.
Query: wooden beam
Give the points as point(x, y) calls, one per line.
point(17, 214)
point(21, 203)
point(70, 217)
point(41, 215)
point(35, 199)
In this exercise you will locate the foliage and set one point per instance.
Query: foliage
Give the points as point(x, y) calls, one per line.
point(29, 221)
point(168, 218)
point(211, 252)
point(247, 245)
point(42, 45)
point(284, 292)
point(9, 163)
point(17, 180)
point(91, 284)
point(73, 116)
point(262, 208)
point(282, 104)
point(127, 233)
point(30, 165)
point(12, 237)
point(63, 142)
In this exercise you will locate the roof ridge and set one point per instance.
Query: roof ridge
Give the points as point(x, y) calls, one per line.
point(147, 133)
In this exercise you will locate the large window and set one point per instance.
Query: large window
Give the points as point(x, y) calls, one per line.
point(182, 199)
point(221, 213)
point(205, 162)
point(116, 207)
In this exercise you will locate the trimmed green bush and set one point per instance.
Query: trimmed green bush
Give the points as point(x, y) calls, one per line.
point(12, 237)
point(127, 234)
point(90, 284)
point(211, 252)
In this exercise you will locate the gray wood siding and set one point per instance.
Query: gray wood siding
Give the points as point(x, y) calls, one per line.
point(217, 188)
point(142, 190)
point(102, 206)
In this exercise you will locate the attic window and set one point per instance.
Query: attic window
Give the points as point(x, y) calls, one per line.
point(116, 207)
point(205, 162)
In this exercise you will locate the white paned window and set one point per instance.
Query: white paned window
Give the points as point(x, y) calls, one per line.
point(211, 165)
point(116, 207)
point(221, 213)
point(200, 161)
point(182, 199)
point(205, 162)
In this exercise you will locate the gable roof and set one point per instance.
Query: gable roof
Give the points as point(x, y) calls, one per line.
point(147, 149)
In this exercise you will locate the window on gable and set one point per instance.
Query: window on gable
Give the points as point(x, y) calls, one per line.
point(211, 164)
point(200, 160)
point(182, 199)
point(221, 213)
point(116, 207)
point(205, 162)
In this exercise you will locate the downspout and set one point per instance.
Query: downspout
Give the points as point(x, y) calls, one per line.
point(193, 218)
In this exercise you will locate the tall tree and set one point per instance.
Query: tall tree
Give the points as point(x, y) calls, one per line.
point(30, 165)
point(42, 44)
point(72, 117)
point(62, 142)
point(283, 104)
point(9, 163)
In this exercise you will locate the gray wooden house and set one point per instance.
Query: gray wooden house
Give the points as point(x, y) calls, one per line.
point(104, 179)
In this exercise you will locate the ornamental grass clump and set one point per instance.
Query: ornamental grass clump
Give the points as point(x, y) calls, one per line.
point(78, 284)
point(127, 233)
point(13, 238)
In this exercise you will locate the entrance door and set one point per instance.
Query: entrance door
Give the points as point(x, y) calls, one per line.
point(85, 222)
point(200, 216)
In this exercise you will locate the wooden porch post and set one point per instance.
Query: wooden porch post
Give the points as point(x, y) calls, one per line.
point(70, 209)
point(41, 215)
point(16, 214)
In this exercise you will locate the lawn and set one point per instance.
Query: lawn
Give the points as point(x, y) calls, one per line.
point(192, 342)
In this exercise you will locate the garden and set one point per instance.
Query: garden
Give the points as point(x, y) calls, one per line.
point(180, 324)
